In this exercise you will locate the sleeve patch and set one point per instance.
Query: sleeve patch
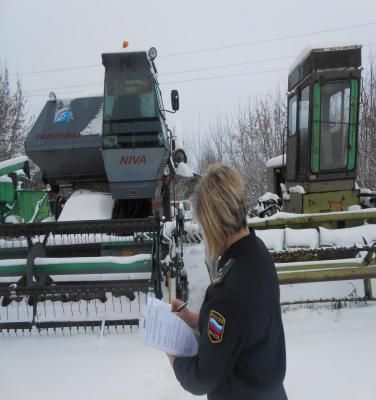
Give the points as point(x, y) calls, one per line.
point(216, 326)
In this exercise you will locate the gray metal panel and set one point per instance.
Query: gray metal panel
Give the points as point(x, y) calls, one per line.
point(138, 169)
point(65, 141)
point(134, 190)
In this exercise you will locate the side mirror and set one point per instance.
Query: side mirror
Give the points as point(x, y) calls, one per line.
point(175, 100)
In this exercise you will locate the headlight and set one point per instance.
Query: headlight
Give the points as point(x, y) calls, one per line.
point(166, 170)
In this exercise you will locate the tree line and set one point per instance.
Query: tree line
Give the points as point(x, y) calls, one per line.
point(15, 122)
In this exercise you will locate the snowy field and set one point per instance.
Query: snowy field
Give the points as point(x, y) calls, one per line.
point(330, 354)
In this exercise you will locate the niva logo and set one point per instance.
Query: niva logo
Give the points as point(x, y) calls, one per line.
point(128, 160)
point(63, 116)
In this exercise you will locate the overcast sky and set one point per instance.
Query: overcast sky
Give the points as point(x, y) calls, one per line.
point(39, 35)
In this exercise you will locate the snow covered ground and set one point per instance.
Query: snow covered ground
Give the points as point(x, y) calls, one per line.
point(330, 354)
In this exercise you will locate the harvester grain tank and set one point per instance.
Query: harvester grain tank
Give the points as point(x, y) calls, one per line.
point(115, 145)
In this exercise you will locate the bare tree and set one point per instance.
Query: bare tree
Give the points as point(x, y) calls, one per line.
point(247, 141)
point(14, 122)
point(367, 130)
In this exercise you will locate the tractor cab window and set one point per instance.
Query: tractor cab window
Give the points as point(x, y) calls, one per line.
point(129, 99)
point(292, 115)
point(335, 111)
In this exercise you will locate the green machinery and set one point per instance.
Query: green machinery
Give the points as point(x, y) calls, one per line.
point(18, 204)
point(98, 272)
point(320, 226)
point(319, 168)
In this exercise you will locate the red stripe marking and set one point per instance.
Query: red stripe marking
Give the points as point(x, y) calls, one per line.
point(214, 329)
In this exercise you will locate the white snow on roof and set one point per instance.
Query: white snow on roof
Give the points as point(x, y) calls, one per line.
point(87, 205)
point(95, 125)
point(300, 57)
point(324, 45)
point(183, 170)
point(12, 161)
point(276, 162)
point(67, 99)
point(5, 179)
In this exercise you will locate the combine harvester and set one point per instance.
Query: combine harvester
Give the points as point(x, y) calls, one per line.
point(110, 162)
point(324, 229)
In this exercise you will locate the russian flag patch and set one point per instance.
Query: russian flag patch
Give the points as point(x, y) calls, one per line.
point(216, 326)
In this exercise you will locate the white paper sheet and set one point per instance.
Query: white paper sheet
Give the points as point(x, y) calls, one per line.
point(162, 329)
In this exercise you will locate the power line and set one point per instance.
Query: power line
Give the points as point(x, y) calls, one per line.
point(171, 82)
point(173, 73)
point(61, 93)
point(64, 87)
point(57, 70)
point(208, 78)
point(262, 41)
point(186, 80)
point(226, 65)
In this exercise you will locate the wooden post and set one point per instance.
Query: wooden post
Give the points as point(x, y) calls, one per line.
point(367, 288)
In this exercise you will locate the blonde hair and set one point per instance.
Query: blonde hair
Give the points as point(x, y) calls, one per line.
point(219, 206)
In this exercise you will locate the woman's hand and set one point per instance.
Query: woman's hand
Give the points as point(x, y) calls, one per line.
point(188, 316)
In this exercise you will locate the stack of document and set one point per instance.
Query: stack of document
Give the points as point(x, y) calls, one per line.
point(164, 330)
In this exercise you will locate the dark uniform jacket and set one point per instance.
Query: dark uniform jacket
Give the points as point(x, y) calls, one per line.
point(242, 345)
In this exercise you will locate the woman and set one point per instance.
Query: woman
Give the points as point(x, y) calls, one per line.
point(241, 351)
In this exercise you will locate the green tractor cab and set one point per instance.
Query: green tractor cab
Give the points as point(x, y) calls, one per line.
point(319, 168)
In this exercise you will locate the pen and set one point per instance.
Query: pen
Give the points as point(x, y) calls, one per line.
point(181, 307)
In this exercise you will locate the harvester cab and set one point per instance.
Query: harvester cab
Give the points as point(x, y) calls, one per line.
point(136, 143)
point(323, 111)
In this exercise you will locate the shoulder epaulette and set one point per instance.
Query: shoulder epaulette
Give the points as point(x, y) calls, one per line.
point(222, 272)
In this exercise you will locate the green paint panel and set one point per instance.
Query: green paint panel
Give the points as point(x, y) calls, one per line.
point(320, 202)
point(12, 168)
point(78, 268)
point(353, 118)
point(12, 270)
point(316, 123)
point(94, 268)
point(28, 200)
point(6, 192)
